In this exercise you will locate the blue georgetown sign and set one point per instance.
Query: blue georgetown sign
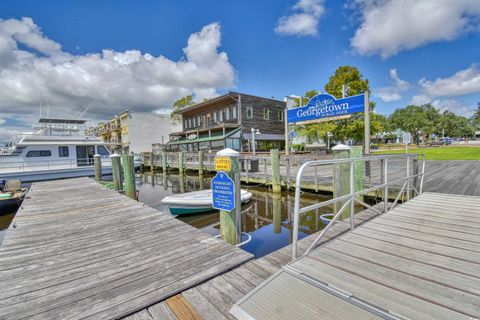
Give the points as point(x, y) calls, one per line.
point(324, 106)
point(223, 192)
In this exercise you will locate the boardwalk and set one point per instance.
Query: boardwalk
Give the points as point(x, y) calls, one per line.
point(419, 261)
point(214, 298)
point(77, 250)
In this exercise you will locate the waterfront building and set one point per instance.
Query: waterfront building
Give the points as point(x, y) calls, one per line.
point(227, 122)
point(135, 131)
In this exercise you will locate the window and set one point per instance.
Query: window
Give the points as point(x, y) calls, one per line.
point(227, 114)
point(185, 123)
point(234, 112)
point(189, 122)
point(280, 115)
point(39, 153)
point(249, 112)
point(63, 151)
point(220, 114)
point(266, 114)
point(214, 116)
point(102, 151)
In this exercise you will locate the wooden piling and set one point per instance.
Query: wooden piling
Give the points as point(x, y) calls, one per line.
point(97, 162)
point(129, 175)
point(200, 162)
point(181, 163)
point(275, 164)
point(164, 162)
point(341, 178)
point(230, 221)
point(277, 212)
point(116, 172)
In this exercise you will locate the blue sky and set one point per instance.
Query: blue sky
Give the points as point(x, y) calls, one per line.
point(268, 48)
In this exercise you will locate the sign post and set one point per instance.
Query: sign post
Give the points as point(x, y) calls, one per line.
point(226, 194)
point(407, 138)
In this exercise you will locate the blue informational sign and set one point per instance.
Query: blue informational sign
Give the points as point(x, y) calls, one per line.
point(324, 106)
point(223, 192)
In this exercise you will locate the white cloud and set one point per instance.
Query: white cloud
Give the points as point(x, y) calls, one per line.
point(390, 26)
point(392, 93)
point(34, 71)
point(420, 99)
point(304, 21)
point(454, 106)
point(462, 82)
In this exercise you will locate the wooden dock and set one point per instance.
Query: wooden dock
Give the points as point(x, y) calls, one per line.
point(213, 299)
point(77, 250)
point(419, 261)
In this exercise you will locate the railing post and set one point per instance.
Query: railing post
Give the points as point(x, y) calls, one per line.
point(385, 189)
point(408, 178)
point(415, 171)
point(352, 190)
point(287, 158)
point(200, 162)
point(275, 163)
point(116, 172)
point(97, 161)
point(129, 175)
point(423, 174)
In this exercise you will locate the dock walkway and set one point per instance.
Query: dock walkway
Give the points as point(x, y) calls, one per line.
point(419, 261)
point(77, 250)
point(213, 299)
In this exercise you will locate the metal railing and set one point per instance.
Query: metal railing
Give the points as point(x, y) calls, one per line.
point(352, 197)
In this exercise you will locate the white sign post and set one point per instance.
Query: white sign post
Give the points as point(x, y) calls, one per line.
point(407, 138)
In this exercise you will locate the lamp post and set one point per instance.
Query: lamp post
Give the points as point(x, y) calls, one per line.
point(329, 135)
point(254, 132)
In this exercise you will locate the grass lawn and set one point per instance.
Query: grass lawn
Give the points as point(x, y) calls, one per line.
point(441, 153)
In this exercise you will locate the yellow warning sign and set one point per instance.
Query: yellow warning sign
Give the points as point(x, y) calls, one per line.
point(222, 164)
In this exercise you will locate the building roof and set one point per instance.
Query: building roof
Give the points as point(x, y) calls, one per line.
point(231, 95)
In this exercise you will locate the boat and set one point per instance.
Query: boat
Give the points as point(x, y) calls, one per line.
point(195, 202)
point(11, 195)
point(55, 149)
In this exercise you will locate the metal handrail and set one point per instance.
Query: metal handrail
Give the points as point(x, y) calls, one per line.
point(350, 198)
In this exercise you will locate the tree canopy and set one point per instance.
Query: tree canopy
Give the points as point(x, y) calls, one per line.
point(180, 104)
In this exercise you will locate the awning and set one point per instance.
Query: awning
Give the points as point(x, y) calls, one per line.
point(205, 139)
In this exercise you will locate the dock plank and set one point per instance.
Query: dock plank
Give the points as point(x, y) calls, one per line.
point(89, 252)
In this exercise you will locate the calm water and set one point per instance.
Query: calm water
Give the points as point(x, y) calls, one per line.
point(267, 218)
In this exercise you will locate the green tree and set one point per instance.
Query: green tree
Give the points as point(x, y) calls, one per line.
point(353, 127)
point(181, 103)
point(456, 126)
point(348, 76)
point(476, 116)
point(412, 119)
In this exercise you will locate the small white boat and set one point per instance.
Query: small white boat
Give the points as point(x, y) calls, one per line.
point(195, 202)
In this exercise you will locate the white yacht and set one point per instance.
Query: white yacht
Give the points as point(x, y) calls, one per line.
point(56, 149)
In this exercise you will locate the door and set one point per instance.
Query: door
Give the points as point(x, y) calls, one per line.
point(85, 155)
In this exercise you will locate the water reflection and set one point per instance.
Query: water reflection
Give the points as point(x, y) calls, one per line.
point(268, 217)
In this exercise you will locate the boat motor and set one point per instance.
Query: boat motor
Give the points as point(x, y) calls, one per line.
point(3, 183)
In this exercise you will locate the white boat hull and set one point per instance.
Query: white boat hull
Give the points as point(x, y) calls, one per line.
point(43, 175)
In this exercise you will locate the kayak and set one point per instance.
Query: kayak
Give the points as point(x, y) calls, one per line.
point(195, 202)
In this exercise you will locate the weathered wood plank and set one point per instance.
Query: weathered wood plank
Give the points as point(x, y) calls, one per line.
point(96, 254)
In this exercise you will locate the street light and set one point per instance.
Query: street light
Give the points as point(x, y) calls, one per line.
point(254, 132)
point(329, 135)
